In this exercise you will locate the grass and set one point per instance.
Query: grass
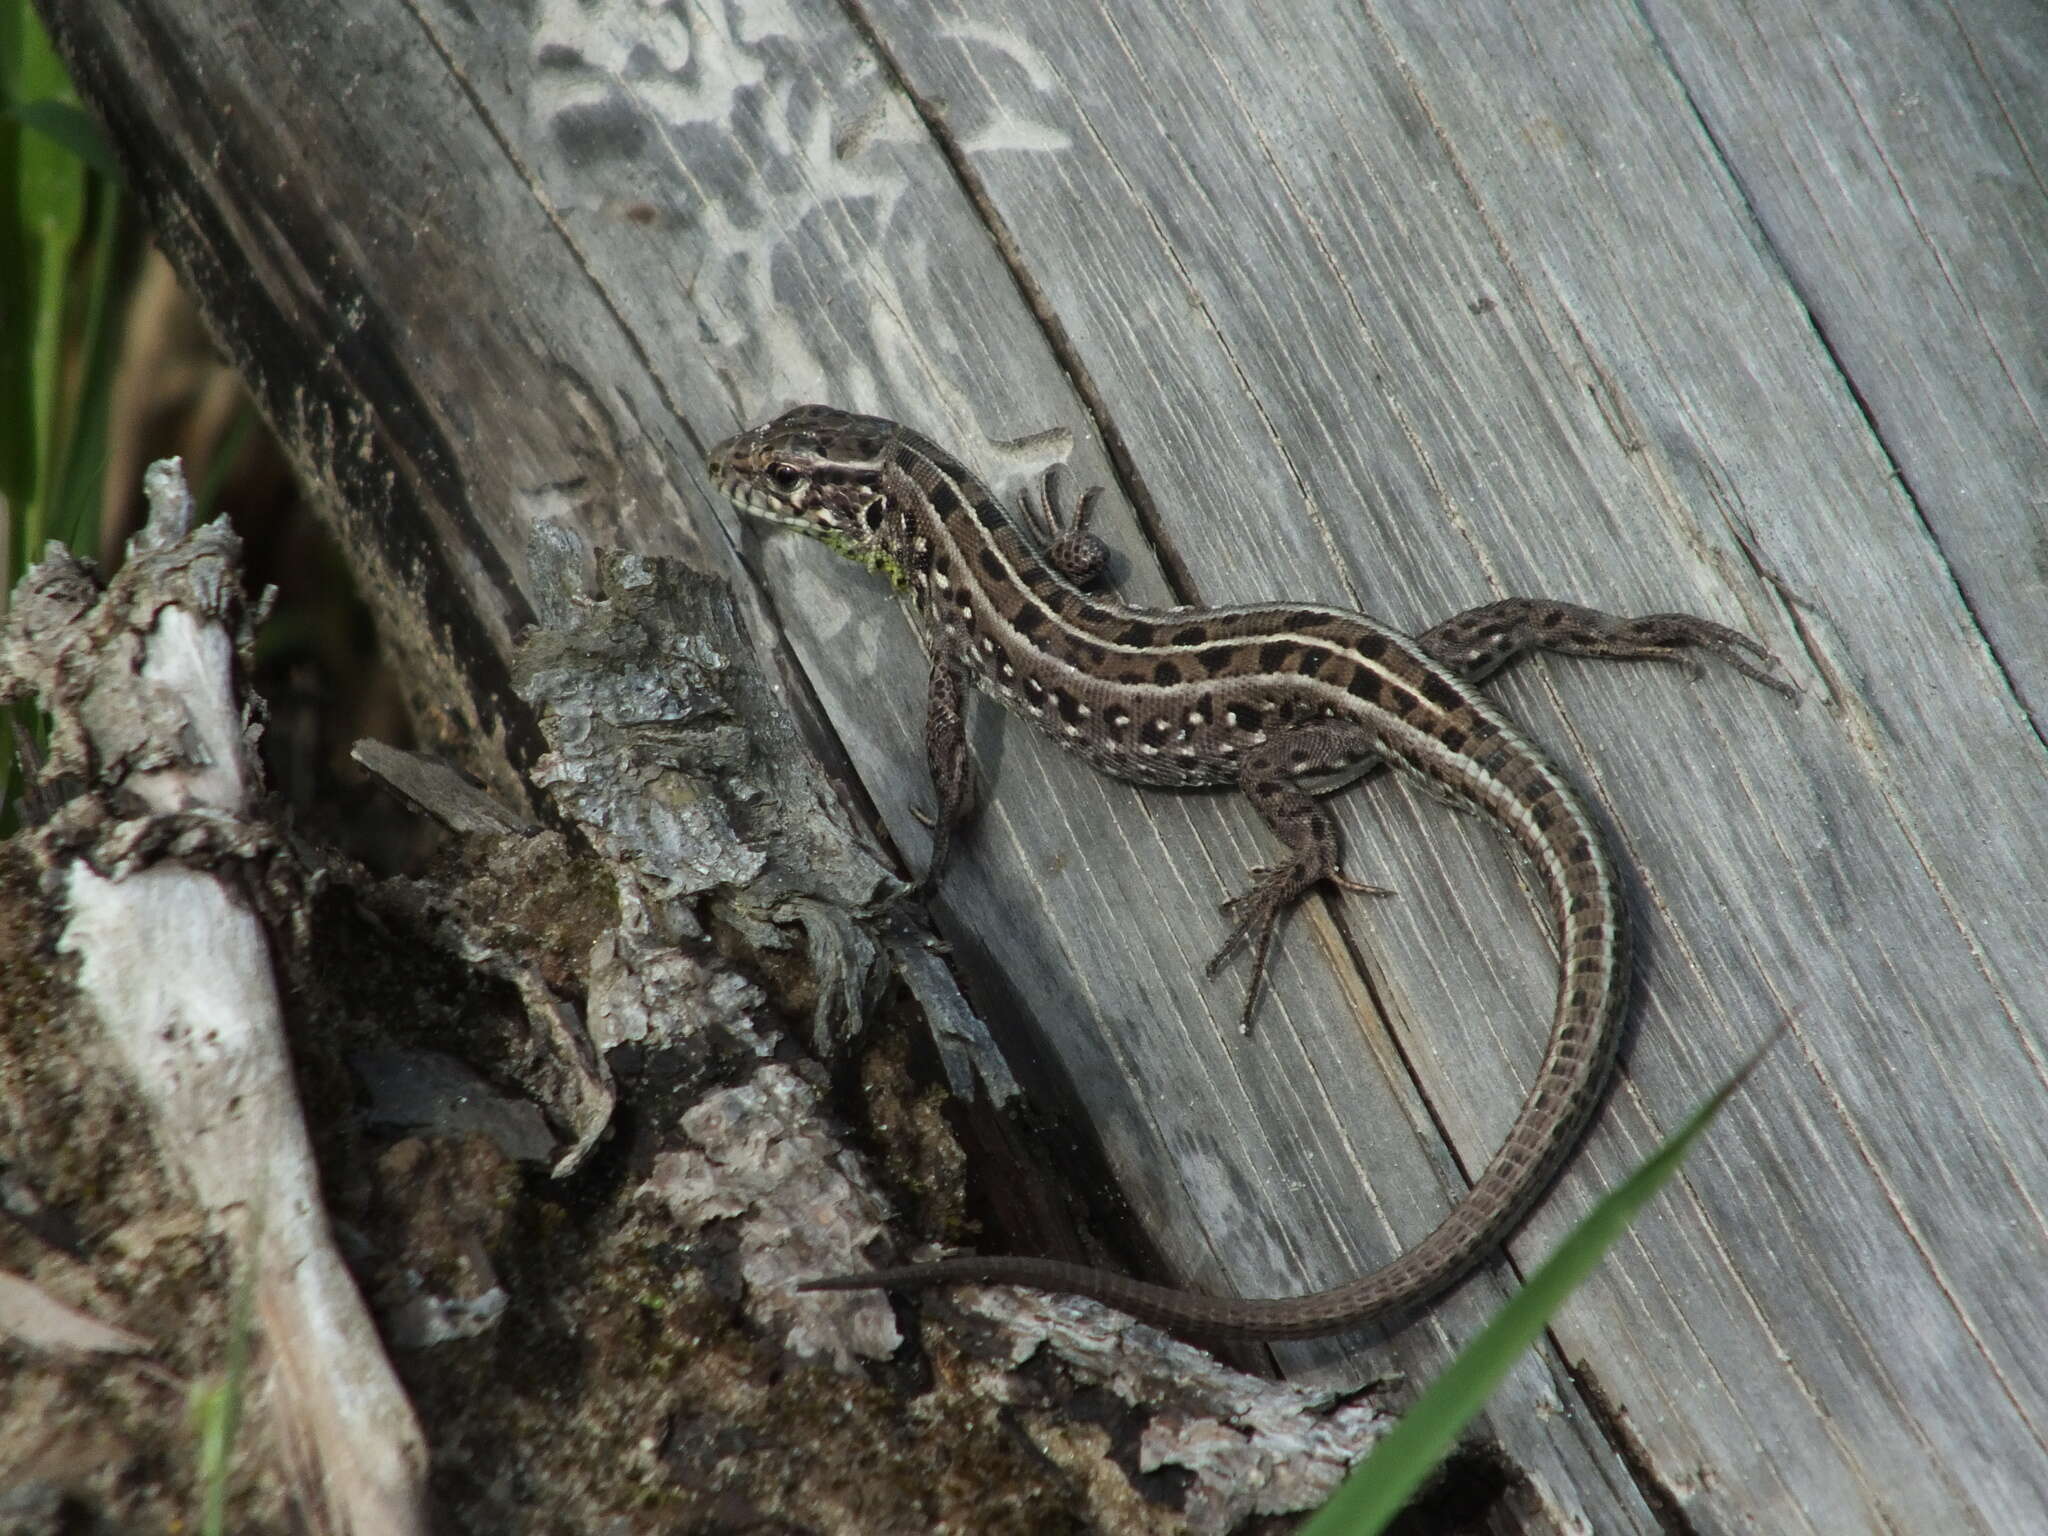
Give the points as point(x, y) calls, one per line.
point(1379, 1488)
point(61, 267)
point(217, 1404)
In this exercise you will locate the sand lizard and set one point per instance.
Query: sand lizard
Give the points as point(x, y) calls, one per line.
point(1283, 700)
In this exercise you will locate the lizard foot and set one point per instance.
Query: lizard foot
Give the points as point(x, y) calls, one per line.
point(1275, 888)
point(1062, 528)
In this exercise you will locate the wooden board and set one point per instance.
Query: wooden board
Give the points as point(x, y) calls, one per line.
point(1389, 307)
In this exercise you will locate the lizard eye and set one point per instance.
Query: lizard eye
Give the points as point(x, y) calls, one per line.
point(785, 476)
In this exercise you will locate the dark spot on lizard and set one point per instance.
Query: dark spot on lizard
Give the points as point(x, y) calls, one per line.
point(1371, 645)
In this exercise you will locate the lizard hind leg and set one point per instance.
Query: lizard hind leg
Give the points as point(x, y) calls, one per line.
point(1477, 643)
point(1325, 752)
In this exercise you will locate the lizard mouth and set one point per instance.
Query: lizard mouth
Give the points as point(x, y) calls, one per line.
point(748, 496)
point(724, 461)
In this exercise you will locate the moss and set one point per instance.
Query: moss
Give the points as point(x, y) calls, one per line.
point(868, 557)
point(622, 1387)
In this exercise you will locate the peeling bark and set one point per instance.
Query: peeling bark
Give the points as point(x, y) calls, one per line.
point(155, 859)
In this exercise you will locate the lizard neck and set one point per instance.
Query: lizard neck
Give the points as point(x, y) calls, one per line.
point(968, 569)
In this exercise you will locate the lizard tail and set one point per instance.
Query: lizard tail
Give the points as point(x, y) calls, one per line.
point(1546, 818)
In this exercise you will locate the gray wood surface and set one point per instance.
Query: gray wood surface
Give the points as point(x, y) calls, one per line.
point(1698, 308)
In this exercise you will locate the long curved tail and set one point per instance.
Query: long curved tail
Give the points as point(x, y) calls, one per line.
point(1543, 814)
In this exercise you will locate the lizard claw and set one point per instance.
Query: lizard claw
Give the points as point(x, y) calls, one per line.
point(1257, 925)
point(1274, 889)
point(1344, 882)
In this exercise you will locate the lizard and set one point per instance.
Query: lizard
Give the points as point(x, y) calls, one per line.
point(1284, 701)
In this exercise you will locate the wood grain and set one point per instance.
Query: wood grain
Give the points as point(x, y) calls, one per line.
point(1644, 307)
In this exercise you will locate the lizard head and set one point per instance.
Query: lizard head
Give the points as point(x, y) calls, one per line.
point(817, 469)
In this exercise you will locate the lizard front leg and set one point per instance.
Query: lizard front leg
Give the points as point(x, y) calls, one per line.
point(1328, 753)
point(952, 770)
point(1062, 530)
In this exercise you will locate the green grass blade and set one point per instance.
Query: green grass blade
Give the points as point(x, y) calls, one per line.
point(71, 129)
point(51, 233)
point(45, 218)
point(1381, 1485)
point(29, 66)
point(17, 292)
point(58, 331)
point(74, 499)
point(217, 1405)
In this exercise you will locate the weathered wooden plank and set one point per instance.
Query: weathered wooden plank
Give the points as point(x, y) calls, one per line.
point(1951, 1204)
point(1892, 156)
point(1384, 307)
point(1630, 327)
